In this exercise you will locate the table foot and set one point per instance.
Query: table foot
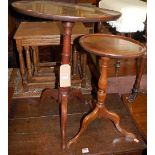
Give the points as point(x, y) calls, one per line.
point(133, 95)
point(103, 112)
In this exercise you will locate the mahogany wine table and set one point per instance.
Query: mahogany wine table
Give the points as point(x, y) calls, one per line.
point(108, 46)
point(68, 14)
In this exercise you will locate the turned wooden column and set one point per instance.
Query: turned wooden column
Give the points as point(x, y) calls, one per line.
point(66, 51)
point(64, 92)
point(102, 83)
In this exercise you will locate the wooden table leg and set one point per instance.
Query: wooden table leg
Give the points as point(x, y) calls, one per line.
point(28, 62)
point(100, 109)
point(136, 85)
point(63, 99)
point(22, 64)
point(35, 59)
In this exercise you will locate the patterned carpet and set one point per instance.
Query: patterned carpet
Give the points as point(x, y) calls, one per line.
point(121, 85)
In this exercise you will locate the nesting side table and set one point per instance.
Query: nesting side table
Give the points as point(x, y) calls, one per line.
point(31, 35)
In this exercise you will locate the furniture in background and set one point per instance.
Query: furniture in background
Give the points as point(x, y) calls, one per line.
point(106, 47)
point(29, 36)
point(69, 14)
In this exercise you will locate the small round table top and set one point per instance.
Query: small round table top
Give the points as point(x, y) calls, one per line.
point(65, 11)
point(113, 46)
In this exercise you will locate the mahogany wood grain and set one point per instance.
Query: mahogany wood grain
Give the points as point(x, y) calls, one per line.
point(65, 11)
point(113, 46)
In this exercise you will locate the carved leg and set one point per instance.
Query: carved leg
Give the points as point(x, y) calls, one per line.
point(116, 120)
point(86, 121)
point(64, 102)
point(136, 85)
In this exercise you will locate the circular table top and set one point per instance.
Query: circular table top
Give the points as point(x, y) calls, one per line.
point(113, 46)
point(65, 11)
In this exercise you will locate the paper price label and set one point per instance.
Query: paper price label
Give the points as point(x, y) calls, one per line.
point(65, 75)
point(85, 150)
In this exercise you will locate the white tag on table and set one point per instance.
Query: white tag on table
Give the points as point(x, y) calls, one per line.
point(85, 150)
point(65, 75)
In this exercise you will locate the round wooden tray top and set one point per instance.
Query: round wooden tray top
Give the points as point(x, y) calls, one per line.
point(113, 46)
point(64, 11)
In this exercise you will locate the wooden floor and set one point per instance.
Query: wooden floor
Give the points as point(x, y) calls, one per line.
point(34, 129)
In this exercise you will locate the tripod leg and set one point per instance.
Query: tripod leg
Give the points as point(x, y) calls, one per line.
point(86, 121)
